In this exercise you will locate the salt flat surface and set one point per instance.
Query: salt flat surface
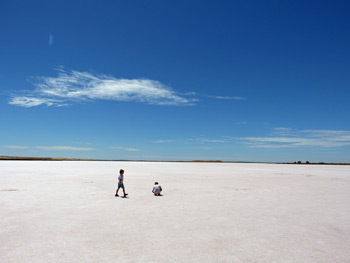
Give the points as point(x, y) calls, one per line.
point(67, 212)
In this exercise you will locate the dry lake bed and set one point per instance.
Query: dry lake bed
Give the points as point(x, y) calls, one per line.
point(209, 212)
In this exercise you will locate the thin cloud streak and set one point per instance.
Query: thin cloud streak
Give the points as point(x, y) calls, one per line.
point(16, 147)
point(226, 98)
point(32, 102)
point(163, 141)
point(75, 86)
point(211, 141)
point(63, 148)
point(291, 138)
point(50, 148)
point(279, 138)
point(205, 140)
point(125, 149)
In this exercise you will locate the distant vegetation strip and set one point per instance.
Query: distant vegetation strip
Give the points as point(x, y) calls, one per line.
point(15, 158)
point(19, 158)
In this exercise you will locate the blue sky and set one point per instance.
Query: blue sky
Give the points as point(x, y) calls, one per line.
point(176, 80)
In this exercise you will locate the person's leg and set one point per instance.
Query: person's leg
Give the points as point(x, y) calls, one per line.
point(125, 194)
point(116, 194)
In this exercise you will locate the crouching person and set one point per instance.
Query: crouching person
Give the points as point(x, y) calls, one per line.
point(157, 189)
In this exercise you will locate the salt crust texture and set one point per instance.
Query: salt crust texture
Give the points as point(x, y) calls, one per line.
point(67, 212)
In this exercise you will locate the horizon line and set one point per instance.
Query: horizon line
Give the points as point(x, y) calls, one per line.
point(22, 158)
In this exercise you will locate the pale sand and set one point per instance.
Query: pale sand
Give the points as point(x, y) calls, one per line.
point(67, 212)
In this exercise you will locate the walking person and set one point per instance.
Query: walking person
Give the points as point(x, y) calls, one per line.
point(121, 183)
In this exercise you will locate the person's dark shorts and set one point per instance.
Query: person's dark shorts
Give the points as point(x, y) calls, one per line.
point(120, 185)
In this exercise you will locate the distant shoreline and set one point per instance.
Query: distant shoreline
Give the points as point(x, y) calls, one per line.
point(20, 158)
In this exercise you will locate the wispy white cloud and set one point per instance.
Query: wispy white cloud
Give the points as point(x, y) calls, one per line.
point(279, 137)
point(211, 140)
point(32, 102)
point(75, 86)
point(50, 148)
point(16, 147)
point(125, 149)
point(198, 140)
point(205, 141)
point(292, 138)
point(63, 148)
point(226, 98)
point(163, 141)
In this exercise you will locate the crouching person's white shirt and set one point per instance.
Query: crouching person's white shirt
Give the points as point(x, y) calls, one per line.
point(157, 189)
